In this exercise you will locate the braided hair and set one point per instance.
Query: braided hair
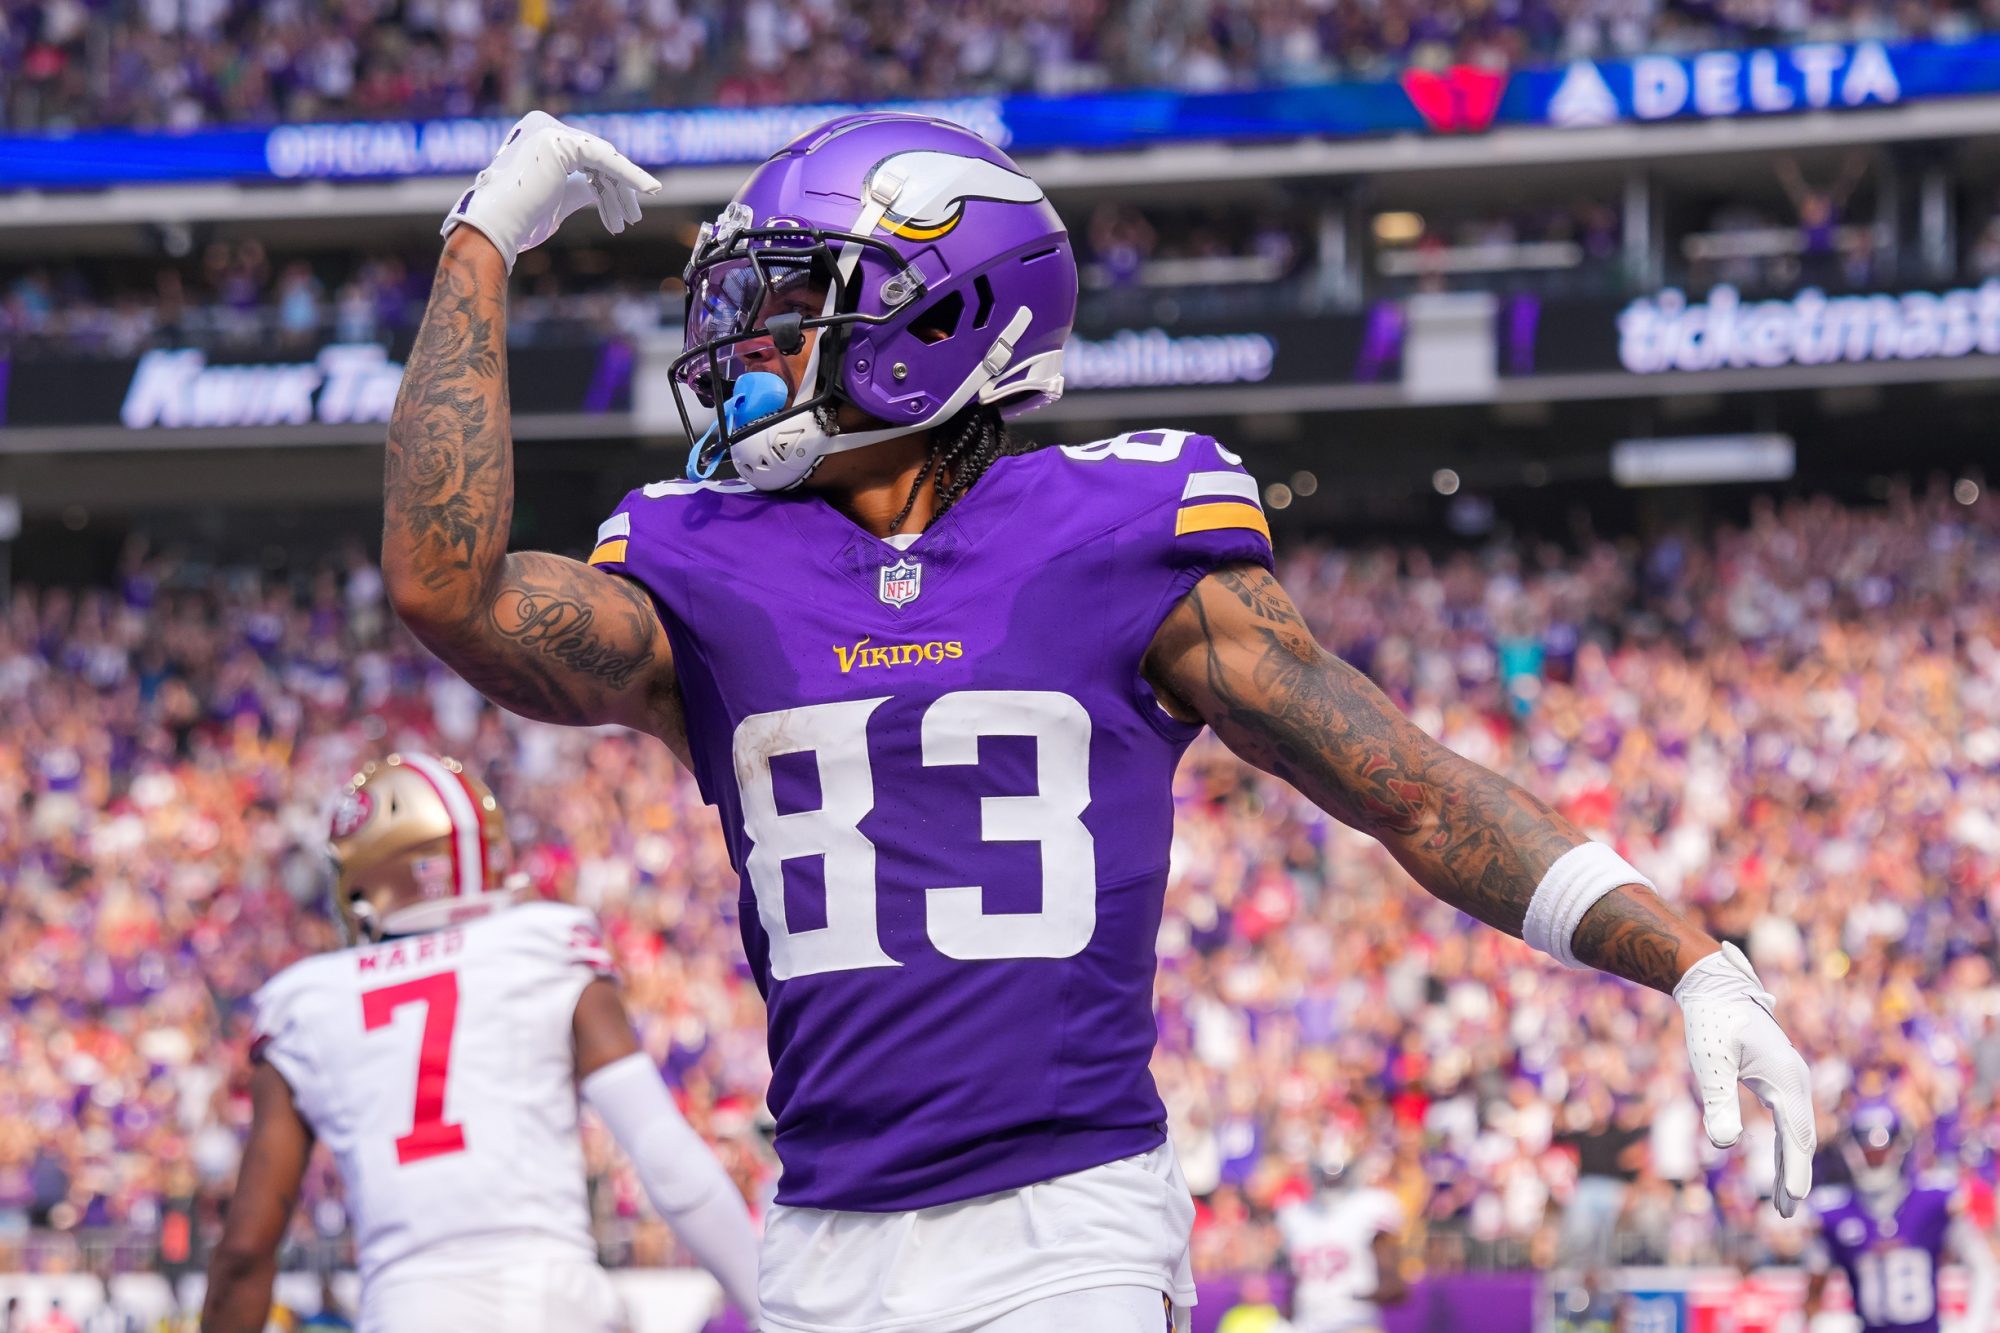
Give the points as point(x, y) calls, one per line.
point(960, 452)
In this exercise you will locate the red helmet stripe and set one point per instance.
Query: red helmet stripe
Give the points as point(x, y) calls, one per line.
point(478, 829)
point(467, 853)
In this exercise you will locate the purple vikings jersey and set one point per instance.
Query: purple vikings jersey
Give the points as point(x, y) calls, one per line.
point(947, 789)
point(1891, 1262)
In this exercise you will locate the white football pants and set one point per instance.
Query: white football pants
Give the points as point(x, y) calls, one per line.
point(569, 1295)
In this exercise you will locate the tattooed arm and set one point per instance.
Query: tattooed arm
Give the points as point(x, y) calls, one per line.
point(549, 638)
point(1236, 654)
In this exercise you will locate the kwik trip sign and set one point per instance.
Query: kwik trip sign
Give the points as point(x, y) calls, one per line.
point(346, 382)
point(336, 384)
point(1666, 332)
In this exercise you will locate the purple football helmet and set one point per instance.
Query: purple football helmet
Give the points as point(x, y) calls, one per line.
point(1876, 1147)
point(929, 272)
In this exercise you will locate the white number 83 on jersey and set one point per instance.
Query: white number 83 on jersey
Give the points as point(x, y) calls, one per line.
point(955, 916)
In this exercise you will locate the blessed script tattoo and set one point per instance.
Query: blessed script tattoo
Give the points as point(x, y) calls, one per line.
point(565, 629)
point(1237, 653)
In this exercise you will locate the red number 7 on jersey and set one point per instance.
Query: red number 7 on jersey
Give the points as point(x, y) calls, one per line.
point(429, 1135)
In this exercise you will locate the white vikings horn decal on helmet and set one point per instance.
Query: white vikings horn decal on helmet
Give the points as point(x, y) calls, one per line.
point(930, 189)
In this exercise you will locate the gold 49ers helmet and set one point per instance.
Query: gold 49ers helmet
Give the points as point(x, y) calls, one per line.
point(417, 843)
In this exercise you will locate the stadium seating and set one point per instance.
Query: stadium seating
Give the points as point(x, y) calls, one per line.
point(1794, 726)
point(69, 64)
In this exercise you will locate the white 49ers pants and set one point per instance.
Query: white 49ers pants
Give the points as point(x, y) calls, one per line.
point(537, 1297)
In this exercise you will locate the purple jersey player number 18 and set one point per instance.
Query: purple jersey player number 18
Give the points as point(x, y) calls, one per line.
point(1891, 1258)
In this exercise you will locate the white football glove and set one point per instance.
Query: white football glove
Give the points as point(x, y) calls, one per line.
point(1731, 1036)
point(544, 172)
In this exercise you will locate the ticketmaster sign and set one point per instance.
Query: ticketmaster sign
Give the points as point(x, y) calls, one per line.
point(1666, 332)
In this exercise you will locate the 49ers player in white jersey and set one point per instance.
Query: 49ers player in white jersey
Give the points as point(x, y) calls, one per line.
point(440, 1061)
point(1341, 1247)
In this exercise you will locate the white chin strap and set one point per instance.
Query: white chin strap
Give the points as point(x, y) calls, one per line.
point(782, 455)
point(785, 453)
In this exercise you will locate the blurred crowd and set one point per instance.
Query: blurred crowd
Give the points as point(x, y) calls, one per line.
point(185, 63)
point(1793, 726)
point(236, 297)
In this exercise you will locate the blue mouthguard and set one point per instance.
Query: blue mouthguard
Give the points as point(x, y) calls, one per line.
point(758, 395)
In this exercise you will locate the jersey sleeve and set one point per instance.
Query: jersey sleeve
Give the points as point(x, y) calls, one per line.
point(1218, 515)
point(1176, 506)
point(561, 946)
point(662, 531)
point(1182, 497)
point(614, 538)
point(1825, 1203)
point(282, 1036)
point(679, 540)
point(1384, 1213)
point(638, 542)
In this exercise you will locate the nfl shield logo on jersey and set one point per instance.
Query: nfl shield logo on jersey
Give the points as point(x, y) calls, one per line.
point(901, 582)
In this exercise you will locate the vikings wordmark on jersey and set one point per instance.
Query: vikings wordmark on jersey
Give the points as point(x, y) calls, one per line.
point(950, 811)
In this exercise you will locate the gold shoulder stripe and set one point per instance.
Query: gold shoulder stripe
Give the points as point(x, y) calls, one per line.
point(609, 552)
point(1208, 518)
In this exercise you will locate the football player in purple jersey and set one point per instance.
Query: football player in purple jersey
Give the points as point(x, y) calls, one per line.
point(1888, 1229)
point(936, 685)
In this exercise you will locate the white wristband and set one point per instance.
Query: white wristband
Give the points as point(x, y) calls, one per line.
point(1572, 886)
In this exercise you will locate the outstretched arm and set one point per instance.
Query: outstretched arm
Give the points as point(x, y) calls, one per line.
point(685, 1182)
point(245, 1262)
point(1815, 1294)
point(1237, 654)
point(1793, 180)
point(1391, 1287)
point(549, 638)
point(1852, 168)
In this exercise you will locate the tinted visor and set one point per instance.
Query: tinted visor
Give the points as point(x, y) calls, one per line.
point(740, 279)
point(731, 302)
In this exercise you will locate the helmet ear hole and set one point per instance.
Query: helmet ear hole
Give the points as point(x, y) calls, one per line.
point(981, 313)
point(940, 321)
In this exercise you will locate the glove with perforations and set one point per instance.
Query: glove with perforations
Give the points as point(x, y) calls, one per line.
point(1732, 1036)
point(544, 172)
